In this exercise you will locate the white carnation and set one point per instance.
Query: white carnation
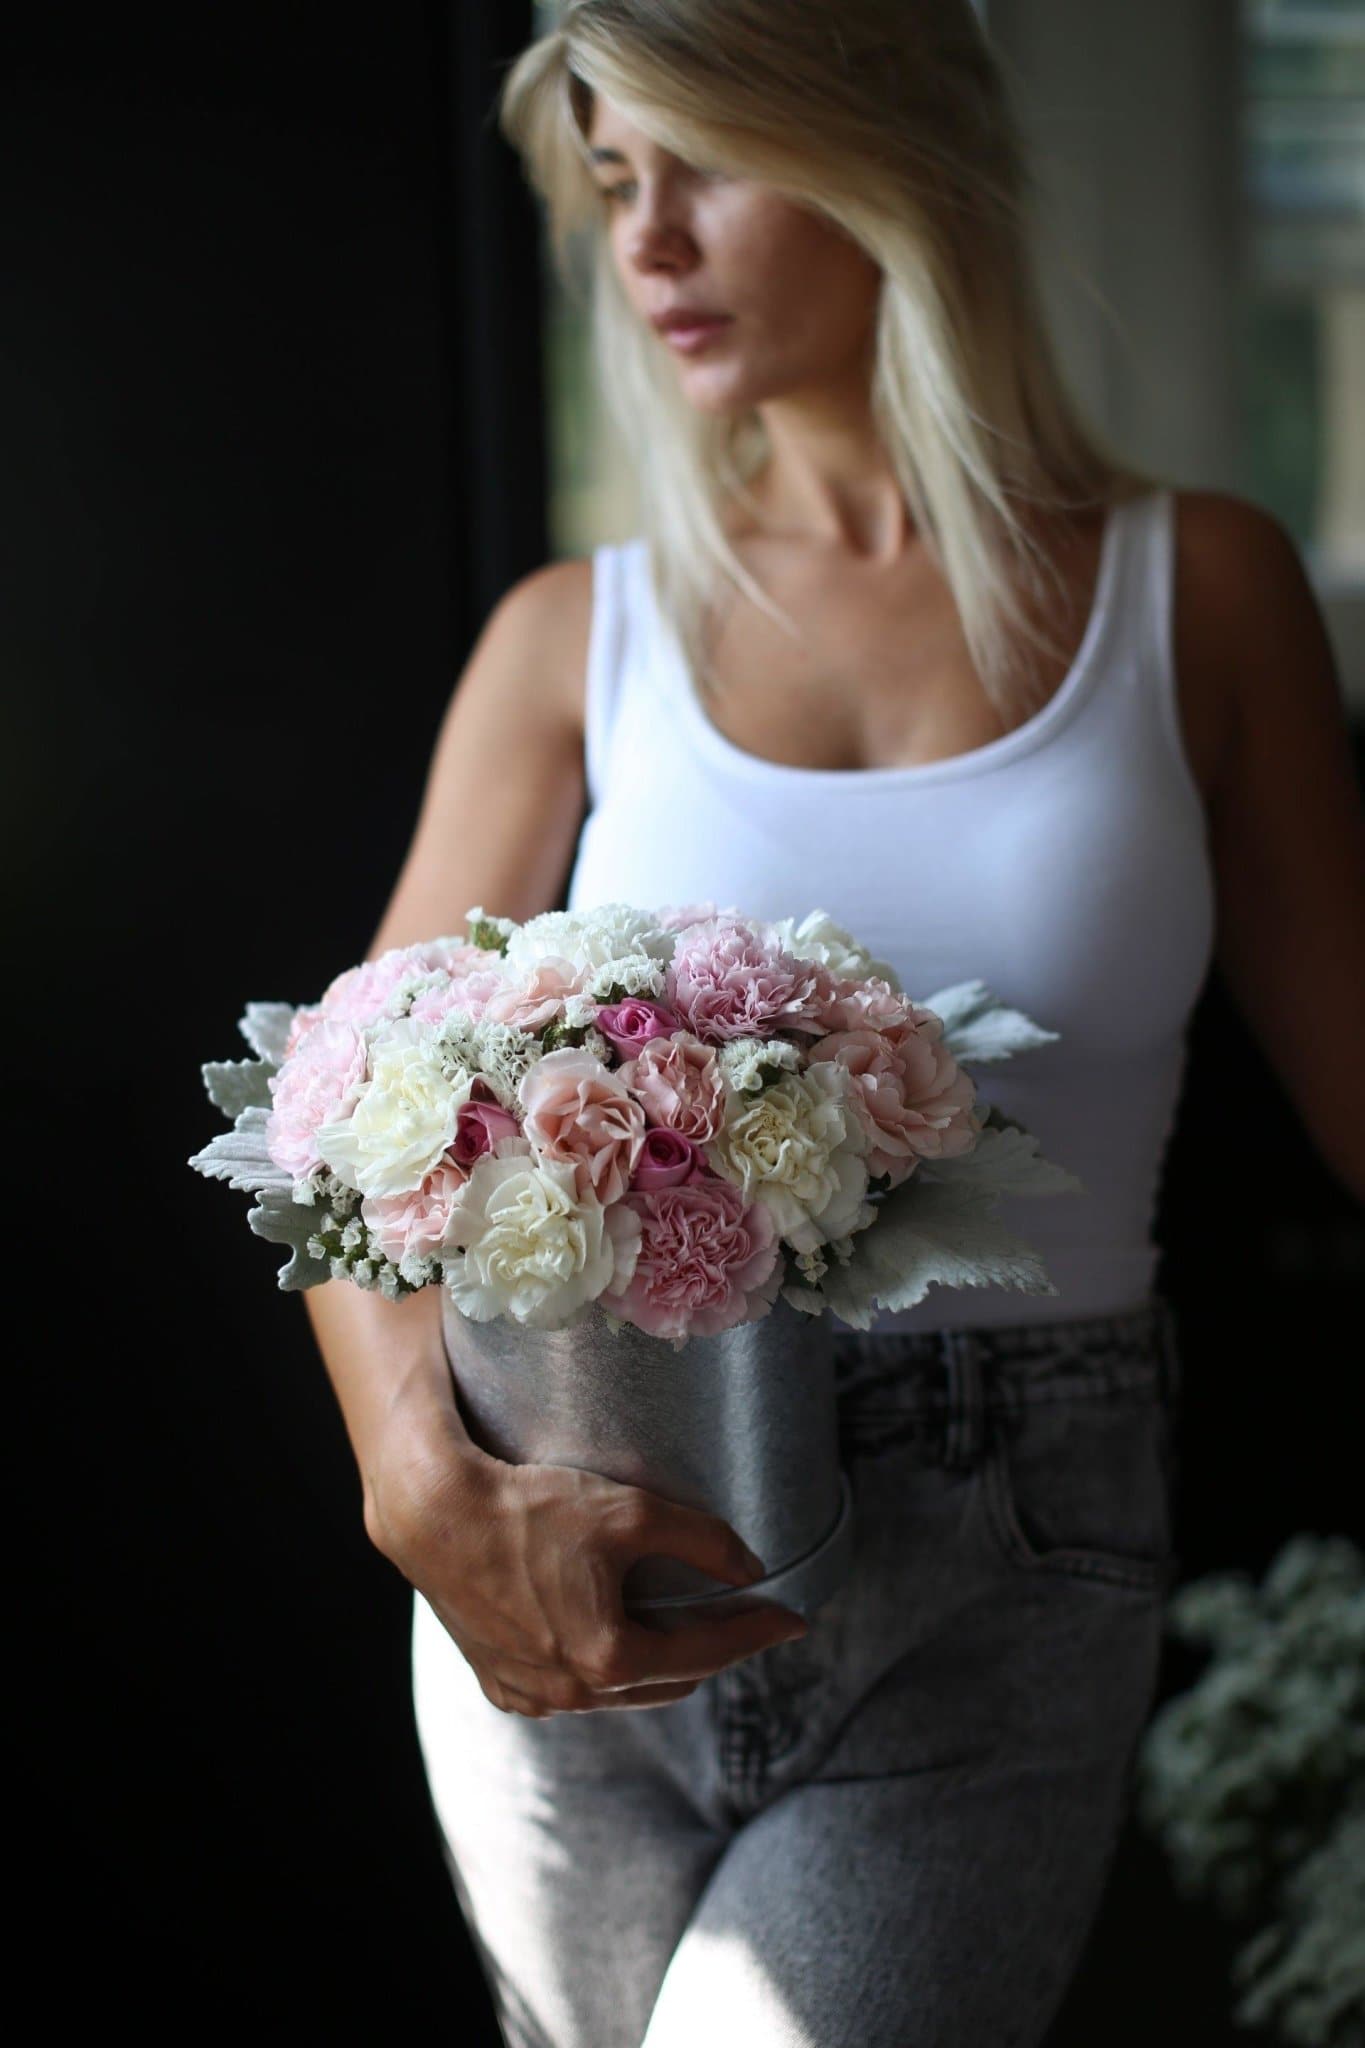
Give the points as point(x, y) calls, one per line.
point(531, 1250)
point(798, 1149)
point(818, 937)
point(403, 1119)
point(589, 939)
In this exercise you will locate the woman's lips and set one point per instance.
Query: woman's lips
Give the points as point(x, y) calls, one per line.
point(696, 335)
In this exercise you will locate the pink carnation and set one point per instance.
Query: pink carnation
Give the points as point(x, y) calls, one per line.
point(910, 1094)
point(674, 917)
point(857, 1005)
point(416, 1221)
point(538, 998)
point(319, 1082)
point(729, 981)
point(707, 1261)
point(471, 989)
point(575, 1109)
point(361, 995)
point(678, 1083)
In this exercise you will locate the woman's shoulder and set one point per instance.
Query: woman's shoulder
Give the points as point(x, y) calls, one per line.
point(554, 602)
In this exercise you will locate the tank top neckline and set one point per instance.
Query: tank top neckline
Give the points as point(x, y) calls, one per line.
point(1022, 739)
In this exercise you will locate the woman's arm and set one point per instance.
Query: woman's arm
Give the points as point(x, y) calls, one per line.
point(1288, 832)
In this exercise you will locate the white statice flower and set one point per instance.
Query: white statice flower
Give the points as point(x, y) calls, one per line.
point(362, 1272)
point(589, 939)
point(580, 1010)
point(476, 914)
point(419, 1268)
point(818, 937)
point(800, 1150)
point(340, 1269)
point(416, 984)
point(403, 1118)
point(742, 1060)
point(506, 1055)
point(635, 974)
point(389, 1284)
point(305, 1192)
point(521, 1244)
point(599, 1045)
point(812, 1265)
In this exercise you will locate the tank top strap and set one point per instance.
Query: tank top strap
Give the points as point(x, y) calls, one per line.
point(1150, 594)
point(613, 578)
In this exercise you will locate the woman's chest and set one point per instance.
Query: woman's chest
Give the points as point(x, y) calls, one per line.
point(882, 675)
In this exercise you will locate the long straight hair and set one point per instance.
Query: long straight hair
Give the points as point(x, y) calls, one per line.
point(890, 118)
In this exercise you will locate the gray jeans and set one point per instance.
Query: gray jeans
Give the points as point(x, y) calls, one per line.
point(896, 1832)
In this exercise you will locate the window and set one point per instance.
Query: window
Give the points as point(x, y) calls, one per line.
point(1302, 359)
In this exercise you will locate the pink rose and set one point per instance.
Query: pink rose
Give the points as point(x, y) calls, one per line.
point(538, 997)
point(910, 1094)
point(629, 1025)
point(319, 1082)
point(729, 981)
point(707, 1261)
point(479, 1123)
point(417, 1221)
point(576, 1110)
point(678, 1083)
point(668, 1160)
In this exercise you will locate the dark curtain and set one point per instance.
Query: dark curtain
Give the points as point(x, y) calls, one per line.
point(271, 417)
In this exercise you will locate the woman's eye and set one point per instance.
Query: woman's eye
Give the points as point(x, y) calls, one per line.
point(615, 191)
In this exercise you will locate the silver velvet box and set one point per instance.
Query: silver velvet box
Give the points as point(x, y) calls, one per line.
point(743, 1424)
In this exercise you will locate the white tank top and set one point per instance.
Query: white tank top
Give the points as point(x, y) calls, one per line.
point(1064, 864)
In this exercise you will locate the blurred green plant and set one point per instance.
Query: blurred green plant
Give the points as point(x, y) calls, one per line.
point(1253, 1782)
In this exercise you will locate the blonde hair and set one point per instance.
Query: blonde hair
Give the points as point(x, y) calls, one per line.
point(889, 117)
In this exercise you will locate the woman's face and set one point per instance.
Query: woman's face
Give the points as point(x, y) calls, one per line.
point(800, 296)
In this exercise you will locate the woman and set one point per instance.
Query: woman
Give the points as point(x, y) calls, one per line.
point(897, 639)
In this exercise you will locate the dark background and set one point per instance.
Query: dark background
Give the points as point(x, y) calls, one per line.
point(271, 407)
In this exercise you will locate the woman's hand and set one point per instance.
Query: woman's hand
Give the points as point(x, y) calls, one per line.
point(523, 1566)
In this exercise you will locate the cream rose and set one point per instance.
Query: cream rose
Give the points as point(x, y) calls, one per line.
point(403, 1120)
point(531, 1249)
point(799, 1149)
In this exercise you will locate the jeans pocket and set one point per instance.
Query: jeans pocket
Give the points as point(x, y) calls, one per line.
point(1080, 1484)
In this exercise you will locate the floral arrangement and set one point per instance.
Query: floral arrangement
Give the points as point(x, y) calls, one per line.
point(679, 1115)
point(1253, 1781)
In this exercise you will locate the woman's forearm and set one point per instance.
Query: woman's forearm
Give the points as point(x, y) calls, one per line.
point(387, 1364)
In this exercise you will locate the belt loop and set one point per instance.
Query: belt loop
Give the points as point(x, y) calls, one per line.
point(964, 1425)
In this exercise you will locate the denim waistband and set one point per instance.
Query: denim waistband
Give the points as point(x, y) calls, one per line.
point(962, 1375)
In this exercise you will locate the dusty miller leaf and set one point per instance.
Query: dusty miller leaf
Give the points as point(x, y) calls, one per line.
point(978, 1027)
point(265, 1027)
point(235, 1085)
point(282, 1221)
point(239, 1156)
point(928, 1233)
point(1005, 1160)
